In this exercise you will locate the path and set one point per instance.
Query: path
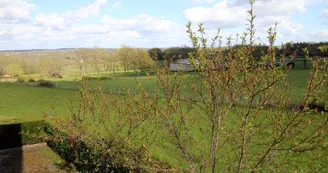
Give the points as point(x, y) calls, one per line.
point(32, 158)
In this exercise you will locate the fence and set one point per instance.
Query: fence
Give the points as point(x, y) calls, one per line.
point(299, 63)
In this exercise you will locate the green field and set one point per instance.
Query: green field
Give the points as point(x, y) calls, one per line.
point(297, 78)
point(27, 103)
point(20, 102)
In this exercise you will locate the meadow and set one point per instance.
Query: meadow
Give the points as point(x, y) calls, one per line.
point(26, 102)
point(21, 102)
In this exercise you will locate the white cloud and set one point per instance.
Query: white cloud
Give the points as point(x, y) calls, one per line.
point(53, 20)
point(202, 1)
point(116, 4)
point(86, 12)
point(15, 10)
point(228, 13)
point(148, 28)
point(62, 21)
point(221, 14)
point(279, 7)
point(324, 14)
point(139, 31)
point(320, 35)
point(233, 14)
point(69, 30)
point(142, 22)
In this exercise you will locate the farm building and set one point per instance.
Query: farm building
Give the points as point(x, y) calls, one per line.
point(181, 64)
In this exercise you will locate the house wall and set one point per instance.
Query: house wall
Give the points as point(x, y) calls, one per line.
point(183, 67)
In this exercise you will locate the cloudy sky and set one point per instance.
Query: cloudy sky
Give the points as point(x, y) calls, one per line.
point(48, 24)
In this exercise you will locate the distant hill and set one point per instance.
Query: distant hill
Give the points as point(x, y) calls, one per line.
point(33, 50)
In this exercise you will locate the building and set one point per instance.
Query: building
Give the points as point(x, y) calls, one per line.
point(182, 64)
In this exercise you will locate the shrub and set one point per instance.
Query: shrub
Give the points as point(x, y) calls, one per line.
point(97, 78)
point(31, 80)
point(20, 80)
point(47, 84)
point(55, 75)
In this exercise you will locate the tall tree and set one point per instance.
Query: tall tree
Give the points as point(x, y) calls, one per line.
point(156, 53)
point(144, 60)
point(81, 59)
point(97, 55)
point(126, 54)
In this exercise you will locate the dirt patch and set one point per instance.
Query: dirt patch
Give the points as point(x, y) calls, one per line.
point(32, 158)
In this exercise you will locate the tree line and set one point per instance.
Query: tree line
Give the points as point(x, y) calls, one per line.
point(84, 60)
point(259, 50)
point(127, 58)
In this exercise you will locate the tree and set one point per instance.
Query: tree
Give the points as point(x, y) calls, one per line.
point(82, 58)
point(14, 69)
point(112, 61)
point(177, 53)
point(55, 68)
point(145, 62)
point(156, 53)
point(43, 65)
point(25, 66)
point(126, 55)
point(97, 55)
point(2, 66)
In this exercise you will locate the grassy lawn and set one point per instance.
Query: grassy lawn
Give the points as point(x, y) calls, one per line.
point(297, 77)
point(26, 103)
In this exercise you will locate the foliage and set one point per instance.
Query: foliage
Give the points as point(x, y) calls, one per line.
point(2, 67)
point(97, 78)
point(114, 140)
point(81, 59)
point(177, 53)
point(297, 48)
point(55, 69)
point(47, 84)
point(125, 54)
point(156, 53)
point(144, 60)
point(14, 70)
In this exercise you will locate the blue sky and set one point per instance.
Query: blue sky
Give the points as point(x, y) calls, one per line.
point(49, 24)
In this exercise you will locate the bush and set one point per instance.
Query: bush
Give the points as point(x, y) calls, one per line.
point(84, 157)
point(97, 78)
point(55, 75)
point(31, 80)
point(20, 80)
point(46, 84)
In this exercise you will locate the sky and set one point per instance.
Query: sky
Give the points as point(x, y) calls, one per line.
point(51, 24)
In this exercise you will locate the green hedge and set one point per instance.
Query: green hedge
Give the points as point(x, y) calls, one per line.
point(85, 158)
